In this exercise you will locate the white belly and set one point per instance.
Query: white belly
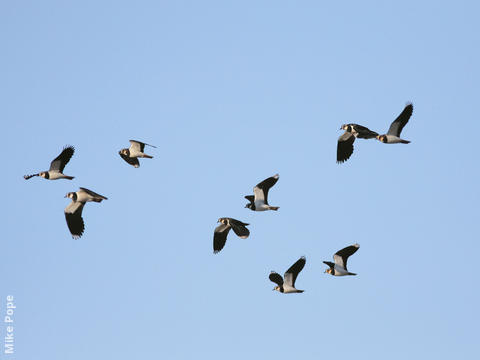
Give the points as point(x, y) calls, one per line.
point(260, 206)
point(288, 289)
point(393, 139)
point(54, 175)
point(339, 271)
point(136, 153)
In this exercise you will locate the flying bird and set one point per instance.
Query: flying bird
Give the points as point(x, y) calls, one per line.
point(56, 166)
point(393, 134)
point(346, 140)
point(222, 230)
point(73, 212)
point(135, 151)
point(339, 268)
point(259, 201)
point(287, 284)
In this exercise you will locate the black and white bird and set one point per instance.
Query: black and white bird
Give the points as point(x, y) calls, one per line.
point(56, 166)
point(73, 212)
point(346, 140)
point(287, 284)
point(339, 268)
point(222, 230)
point(259, 201)
point(393, 134)
point(135, 151)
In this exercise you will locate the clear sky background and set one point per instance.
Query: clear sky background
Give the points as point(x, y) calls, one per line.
point(232, 93)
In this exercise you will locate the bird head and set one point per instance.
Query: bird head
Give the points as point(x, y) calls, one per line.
point(125, 152)
point(249, 205)
point(43, 174)
point(222, 220)
point(344, 127)
point(328, 271)
point(71, 195)
point(277, 288)
point(382, 138)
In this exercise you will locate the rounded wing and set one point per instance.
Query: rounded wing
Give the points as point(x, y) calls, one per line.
point(131, 160)
point(261, 190)
point(341, 256)
point(138, 145)
point(220, 237)
point(363, 132)
point(330, 264)
point(345, 147)
point(399, 123)
point(239, 228)
point(293, 271)
point(58, 164)
point(250, 198)
point(276, 278)
point(73, 216)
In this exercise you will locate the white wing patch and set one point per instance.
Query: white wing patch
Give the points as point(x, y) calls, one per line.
point(73, 207)
point(288, 280)
point(338, 261)
point(135, 148)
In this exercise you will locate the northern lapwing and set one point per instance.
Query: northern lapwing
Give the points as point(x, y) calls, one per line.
point(222, 230)
point(73, 212)
point(135, 151)
point(287, 284)
point(259, 201)
point(339, 268)
point(393, 134)
point(346, 140)
point(56, 166)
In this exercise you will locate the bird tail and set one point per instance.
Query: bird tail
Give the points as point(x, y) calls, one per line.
point(300, 291)
point(351, 273)
point(26, 177)
point(404, 141)
point(147, 156)
point(69, 177)
point(274, 208)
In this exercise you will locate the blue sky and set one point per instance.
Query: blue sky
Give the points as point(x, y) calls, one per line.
point(232, 93)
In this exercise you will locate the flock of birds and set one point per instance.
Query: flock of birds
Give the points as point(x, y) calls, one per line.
point(257, 202)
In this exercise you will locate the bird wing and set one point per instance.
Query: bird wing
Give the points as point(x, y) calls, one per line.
point(345, 147)
point(330, 264)
point(239, 228)
point(220, 237)
point(364, 132)
point(58, 164)
point(261, 190)
point(398, 124)
point(250, 198)
point(276, 278)
point(341, 256)
point(93, 194)
point(131, 160)
point(292, 273)
point(73, 216)
point(138, 145)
